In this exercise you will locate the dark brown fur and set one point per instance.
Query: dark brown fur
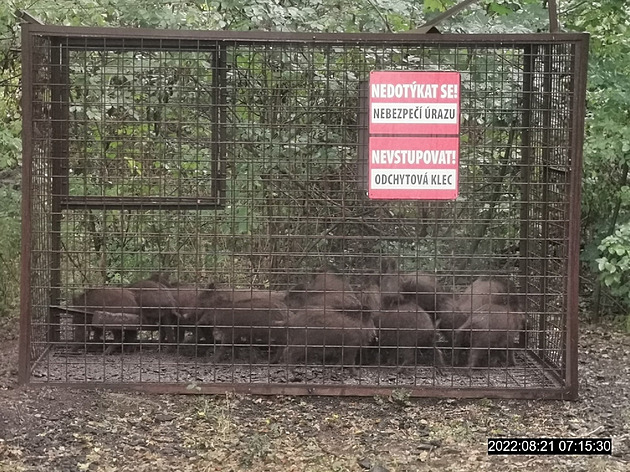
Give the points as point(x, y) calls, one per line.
point(489, 291)
point(105, 299)
point(327, 289)
point(162, 278)
point(402, 330)
point(416, 287)
point(233, 317)
point(244, 294)
point(158, 309)
point(371, 298)
point(187, 301)
point(490, 329)
point(324, 333)
point(449, 320)
point(484, 292)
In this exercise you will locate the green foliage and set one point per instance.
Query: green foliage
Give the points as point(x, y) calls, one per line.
point(520, 16)
point(9, 248)
point(10, 159)
point(438, 5)
point(312, 15)
point(606, 184)
point(614, 264)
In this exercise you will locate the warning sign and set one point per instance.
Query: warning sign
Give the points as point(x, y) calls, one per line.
point(414, 134)
point(413, 167)
point(414, 102)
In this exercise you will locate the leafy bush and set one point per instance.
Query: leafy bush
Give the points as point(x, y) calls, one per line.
point(614, 265)
point(9, 249)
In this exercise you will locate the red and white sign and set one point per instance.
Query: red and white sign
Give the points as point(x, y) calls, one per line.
point(414, 168)
point(410, 102)
point(414, 135)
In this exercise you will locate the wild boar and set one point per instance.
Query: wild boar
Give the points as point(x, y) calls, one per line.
point(489, 291)
point(404, 331)
point(489, 334)
point(241, 319)
point(323, 334)
point(118, 303)
point(158, 309)
point(326, 289)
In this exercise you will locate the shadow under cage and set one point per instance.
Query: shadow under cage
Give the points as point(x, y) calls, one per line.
point(196, 216)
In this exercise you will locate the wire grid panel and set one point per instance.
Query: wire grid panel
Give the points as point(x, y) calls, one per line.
point(198, 215)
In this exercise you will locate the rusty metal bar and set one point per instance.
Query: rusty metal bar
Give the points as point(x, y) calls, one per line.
point(97, 202)
point(526, 160)
point(223, 122)
point(27, 163)
point(219, 70)
point(363, 144)
point(60, 91)
point(546, 157)
point(323, 390)
point(95, 37)
point(578, 111)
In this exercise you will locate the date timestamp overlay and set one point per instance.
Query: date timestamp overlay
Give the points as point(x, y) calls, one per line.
point(550, 446)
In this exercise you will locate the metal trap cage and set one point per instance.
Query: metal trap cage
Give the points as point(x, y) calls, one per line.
point(196, 215)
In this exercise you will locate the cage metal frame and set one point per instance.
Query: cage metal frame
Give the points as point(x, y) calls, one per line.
point(158, 39)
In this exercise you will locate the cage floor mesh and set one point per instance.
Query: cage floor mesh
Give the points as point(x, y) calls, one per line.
point(62, 366)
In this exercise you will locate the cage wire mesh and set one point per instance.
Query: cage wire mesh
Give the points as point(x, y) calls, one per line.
point(197, 215)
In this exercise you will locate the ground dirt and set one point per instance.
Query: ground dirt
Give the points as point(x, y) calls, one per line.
point(46, 429)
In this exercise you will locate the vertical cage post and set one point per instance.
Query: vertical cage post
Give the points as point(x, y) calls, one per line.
point(27, 156)
point(576, 139)
point(60, 152)
point(546, 156)
point(219, 123)
point(363, 154)
point(525, 165)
